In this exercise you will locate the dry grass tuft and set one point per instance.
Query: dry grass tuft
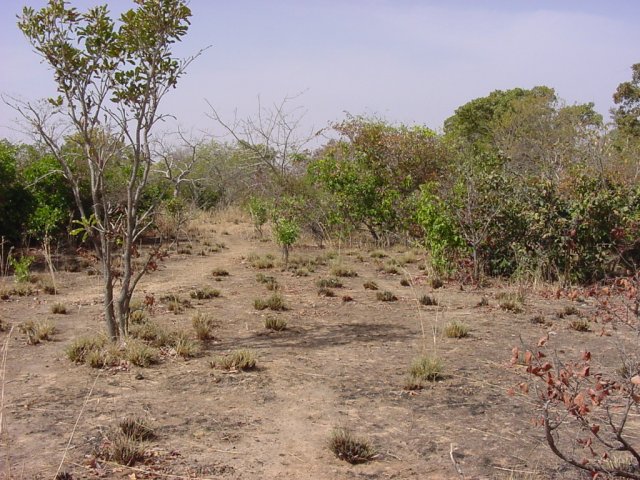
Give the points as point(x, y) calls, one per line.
point(428, 301)
point(275, 323)
point(205, 293)
point(242, 359)
point(349, 448)
point(37, 331)
point(370, 285)
point(275, 302)
point(59, 308)
point(456, 329)
point(386, 296)
point(426, 368)
point(203, 324)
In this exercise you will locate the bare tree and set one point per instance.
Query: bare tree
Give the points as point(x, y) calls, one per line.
point(272, 138)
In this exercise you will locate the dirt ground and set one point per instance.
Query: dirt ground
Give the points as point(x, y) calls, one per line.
point(339, 363)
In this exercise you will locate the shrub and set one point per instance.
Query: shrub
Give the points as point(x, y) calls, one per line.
point(329, 283)
point(386, 296)
point(205, 293)
point(349, 448)
point(326, 292)
point(21, 268)
point(275, 323)
point(456, 329)
point(37, 331)
point(426, 367)
point(242, 359)
point(568, 311)
point(287, 233)
point(203, 325)
point(428, 301)
point(59, 308)
point(370, 285)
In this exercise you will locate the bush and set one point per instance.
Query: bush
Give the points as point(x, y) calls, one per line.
point(349, 448)
point(370, 285)
point(340, 271)
point(261, 262)
point(219, 272)
point(326, 292)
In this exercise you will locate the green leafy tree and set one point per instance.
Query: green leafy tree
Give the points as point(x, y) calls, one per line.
point(374, 171)
point(16, 200)
point(111, 77)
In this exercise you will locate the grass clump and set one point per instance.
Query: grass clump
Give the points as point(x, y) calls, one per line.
point(205, 293)
point(350, 448)
point(175, 304)
point(405, 282)
point(511, 306)
point(329, 283)
point(268, 281)
point(568, 311)
point(140, 354)
point(326, 292)
point(261, 262)
point(219, 272)
point(391, 269)
point(137, 429)
point(425, 368)
point(436, 283)
point(275, 302)
point(80, 348)
point(378, 254)
point(370, 285)
point(183, 345)
point(275, 323)
point(428, 301)
point(203, 324)
point(456, 329)
point(37, 331)
point(124, 450)
point(243, 359)
point(151, 333)
point(580, 325)
point(4, 325)
point(59, 308)
point(136, 317)
point(386, 296)
point(339, 271)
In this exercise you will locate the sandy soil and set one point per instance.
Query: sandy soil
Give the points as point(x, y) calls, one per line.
point(338, 364)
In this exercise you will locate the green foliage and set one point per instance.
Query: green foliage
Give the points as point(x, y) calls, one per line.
point(441, 237)
point(373, 171)
point(259, 211)
point(287, 232)
point(16, 200)
point(21, 267)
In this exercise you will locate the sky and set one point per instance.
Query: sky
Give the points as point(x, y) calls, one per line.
point(407, 61)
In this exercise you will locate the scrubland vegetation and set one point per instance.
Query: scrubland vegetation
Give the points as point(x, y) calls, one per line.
point(520, 193)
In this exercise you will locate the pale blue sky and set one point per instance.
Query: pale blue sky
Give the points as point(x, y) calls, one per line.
point(408, 61)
